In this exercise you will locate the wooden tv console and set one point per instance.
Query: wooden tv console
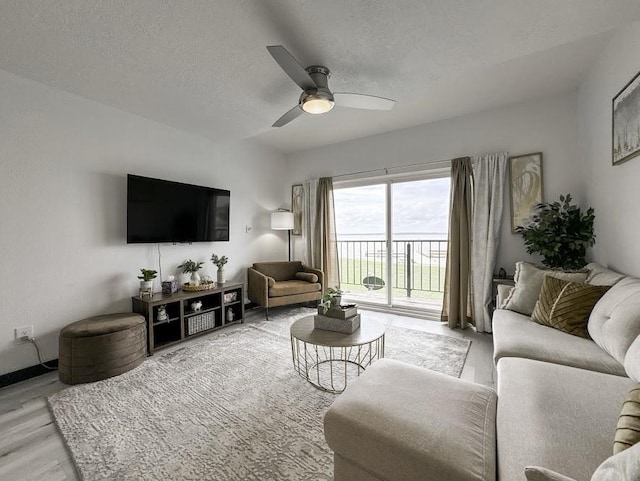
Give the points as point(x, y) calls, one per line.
point(182, 321)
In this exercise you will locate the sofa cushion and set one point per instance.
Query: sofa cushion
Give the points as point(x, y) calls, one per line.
point(628, 430)
point(615, 320)
point(407, 423)
point(624, 466)
point(290, 288)
point(280, 271)
point(566, 305)
point(515, 335)
point(537, 473)
point(528, 278)
point(601, 276)
point(555, 416)
point(306, 276)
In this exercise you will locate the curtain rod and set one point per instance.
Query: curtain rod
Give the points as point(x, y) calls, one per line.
point(386, 170)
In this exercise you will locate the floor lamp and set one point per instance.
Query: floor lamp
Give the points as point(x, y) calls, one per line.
point(283, 220)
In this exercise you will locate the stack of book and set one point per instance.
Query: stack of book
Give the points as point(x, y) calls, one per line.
point(339, 319)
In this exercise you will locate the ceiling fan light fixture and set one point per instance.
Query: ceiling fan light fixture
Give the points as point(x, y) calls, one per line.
point(317, 104)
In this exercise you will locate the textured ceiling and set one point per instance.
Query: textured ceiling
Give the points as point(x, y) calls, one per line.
point(201, 66)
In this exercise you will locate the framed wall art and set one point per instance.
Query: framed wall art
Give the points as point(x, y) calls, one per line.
point(525, 186)
point(297, 202)
point(626, 122)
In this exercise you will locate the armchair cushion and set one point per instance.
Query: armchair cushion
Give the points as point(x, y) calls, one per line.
point(290, 288)
point(306, 276)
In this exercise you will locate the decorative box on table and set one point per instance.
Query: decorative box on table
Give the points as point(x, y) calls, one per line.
point(169, 287)
point(346, 320)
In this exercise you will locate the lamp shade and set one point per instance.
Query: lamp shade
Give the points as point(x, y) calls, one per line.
point(282, 220)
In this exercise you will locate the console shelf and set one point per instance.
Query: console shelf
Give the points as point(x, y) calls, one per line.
point(183, 322)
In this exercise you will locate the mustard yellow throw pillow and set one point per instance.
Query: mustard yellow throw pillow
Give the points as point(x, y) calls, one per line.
point(566, 305)
point(628, 430)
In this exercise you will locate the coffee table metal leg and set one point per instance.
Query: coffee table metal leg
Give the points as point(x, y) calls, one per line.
point(309, 357)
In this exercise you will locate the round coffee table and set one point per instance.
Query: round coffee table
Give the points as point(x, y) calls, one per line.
point(327, 359)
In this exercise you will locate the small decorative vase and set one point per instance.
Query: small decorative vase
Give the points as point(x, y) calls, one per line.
point(229, 315)
point(195, 279)
point(220, 279)
point(338, 301)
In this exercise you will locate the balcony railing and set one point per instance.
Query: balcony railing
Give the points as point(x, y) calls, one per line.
point(417, 266)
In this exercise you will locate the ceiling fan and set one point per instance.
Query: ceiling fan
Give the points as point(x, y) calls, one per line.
point(316, 98)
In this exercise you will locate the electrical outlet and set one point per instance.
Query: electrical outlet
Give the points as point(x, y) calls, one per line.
point(24, 332)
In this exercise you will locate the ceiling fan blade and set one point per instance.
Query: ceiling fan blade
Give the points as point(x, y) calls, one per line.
point(292, 114)
point(292, 67)
point(361, 101)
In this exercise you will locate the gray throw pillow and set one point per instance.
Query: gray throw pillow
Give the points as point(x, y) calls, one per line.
point(528, 279)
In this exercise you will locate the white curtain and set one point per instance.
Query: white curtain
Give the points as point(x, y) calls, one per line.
point(489, 174)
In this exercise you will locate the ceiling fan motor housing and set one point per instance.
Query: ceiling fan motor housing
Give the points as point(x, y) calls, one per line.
point(318, 100)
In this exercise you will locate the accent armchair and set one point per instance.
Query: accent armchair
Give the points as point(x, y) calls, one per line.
point(274, 284)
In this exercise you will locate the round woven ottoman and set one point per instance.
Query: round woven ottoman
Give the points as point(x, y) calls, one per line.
point(101, 346)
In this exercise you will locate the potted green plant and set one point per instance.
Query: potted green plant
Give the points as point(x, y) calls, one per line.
point(219, 262)
point(560, 232)
point(331, 299)
point(192, 267)
point(146, 279)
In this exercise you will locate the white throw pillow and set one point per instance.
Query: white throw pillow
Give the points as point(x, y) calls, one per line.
point(601, 276)
point(528, 278)
point(624, 466)
point(536, 473)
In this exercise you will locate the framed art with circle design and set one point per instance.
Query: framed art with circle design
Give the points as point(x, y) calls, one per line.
point(297, 202)
point(525, 186)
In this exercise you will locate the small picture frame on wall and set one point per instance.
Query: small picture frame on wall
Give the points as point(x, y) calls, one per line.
point(625, 130)
point(297, 202)
point(525, 186)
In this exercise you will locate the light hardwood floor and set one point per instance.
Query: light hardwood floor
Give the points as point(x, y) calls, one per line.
point(32, 450)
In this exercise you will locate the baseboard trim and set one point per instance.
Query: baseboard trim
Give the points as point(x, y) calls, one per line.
point(26, 373)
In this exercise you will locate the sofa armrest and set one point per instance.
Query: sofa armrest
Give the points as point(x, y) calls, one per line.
point(385, 424)
point(318, 273)
point(258, 287)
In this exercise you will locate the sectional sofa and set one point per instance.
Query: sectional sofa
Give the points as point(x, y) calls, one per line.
point(555, 412)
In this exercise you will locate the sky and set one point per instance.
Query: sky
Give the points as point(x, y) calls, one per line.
point(419, 207)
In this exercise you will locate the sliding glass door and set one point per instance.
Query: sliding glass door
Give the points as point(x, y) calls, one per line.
point(362, 242)
point(392, 242)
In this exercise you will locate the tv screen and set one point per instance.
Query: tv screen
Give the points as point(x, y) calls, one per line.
point(163, 211)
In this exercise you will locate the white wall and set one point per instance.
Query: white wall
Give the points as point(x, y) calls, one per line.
point(614, 191)
point(63, 166)
point(547, 125)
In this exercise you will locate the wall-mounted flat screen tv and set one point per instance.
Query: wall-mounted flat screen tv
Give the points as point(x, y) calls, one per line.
point(163, 211)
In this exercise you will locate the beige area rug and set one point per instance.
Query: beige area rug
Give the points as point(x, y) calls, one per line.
point(228, 408)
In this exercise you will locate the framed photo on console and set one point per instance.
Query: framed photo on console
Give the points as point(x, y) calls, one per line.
point(525, 186)
point(625, 131)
